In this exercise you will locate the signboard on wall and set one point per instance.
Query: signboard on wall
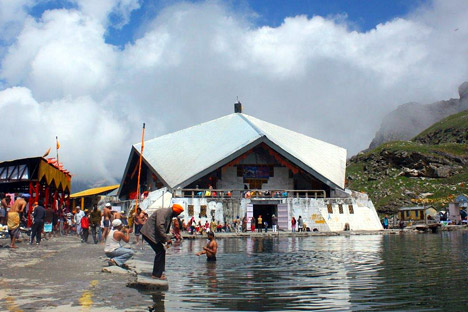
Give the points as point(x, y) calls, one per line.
point(256, 172)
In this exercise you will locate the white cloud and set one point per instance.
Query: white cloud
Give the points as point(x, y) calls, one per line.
point(62, 54)
point(12, 16)
point(102, 9)
point(317, 76)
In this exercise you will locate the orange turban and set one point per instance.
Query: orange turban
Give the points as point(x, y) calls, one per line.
point(177, 208)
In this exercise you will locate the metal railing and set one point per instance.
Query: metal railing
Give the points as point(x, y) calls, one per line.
point(253, 193)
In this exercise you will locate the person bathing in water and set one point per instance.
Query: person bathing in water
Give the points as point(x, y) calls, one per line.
point(210, 249)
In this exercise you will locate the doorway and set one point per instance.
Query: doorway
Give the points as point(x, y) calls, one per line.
point(266, 211)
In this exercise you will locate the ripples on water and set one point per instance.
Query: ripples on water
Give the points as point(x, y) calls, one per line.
point(426, 272)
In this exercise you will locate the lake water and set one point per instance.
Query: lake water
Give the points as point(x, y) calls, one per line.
point(410, 272)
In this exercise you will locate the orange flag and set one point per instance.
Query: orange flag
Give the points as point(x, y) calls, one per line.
point(58, 144)
point(46, 153)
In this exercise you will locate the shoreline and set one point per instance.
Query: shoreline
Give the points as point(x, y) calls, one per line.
point(407, 230)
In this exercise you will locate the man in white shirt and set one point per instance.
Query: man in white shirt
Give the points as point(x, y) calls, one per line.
point(78, 215)
point(118, 255)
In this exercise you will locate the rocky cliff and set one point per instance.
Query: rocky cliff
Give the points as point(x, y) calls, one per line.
point(409, 119)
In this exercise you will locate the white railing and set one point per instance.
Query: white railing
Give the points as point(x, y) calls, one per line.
point(253, 193)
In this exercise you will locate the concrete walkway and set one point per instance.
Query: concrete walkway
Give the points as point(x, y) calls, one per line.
point(63, 274)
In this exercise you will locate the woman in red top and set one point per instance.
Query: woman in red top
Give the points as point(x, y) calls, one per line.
point(85, 227)
point(293, 224)
point(252, 224)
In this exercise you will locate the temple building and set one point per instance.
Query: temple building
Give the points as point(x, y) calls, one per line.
point(238, 165)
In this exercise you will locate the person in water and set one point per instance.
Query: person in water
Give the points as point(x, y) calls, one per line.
point(210, 249)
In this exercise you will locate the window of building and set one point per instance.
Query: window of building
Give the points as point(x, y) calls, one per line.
point(202, 210)
point(330, 208)
point(190, 210)
point(416, 213)
point(240, 171)
point(340, 208)
point(23, 172)
point(351, 209)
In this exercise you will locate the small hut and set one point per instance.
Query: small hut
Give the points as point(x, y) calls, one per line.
point(39, 178)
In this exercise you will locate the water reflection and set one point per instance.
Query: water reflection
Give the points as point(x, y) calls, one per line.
point(343, 273)
point(158, 301)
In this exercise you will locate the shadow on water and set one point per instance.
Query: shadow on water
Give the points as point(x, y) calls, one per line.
point(343, 273)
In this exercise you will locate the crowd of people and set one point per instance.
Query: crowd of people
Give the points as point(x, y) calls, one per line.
point(48, 222)
point(238, 225)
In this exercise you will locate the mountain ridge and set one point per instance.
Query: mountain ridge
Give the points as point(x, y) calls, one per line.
point(431, 169)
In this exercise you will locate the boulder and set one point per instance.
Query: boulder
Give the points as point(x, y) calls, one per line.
point(147, 283)
point(407, 172)
point(117, 270)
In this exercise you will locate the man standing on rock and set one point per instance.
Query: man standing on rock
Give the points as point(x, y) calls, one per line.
point(155, 231)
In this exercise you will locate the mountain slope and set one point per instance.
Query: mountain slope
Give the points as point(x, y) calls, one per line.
point(431, 169)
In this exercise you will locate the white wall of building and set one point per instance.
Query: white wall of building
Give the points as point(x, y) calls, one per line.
point(314, 212)
point(280, 180)
point(230, 180)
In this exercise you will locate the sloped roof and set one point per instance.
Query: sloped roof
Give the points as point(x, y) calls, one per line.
point(181, 157)
point(95, 191)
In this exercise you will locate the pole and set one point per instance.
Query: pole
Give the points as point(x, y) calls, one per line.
point(139, 168)
point(57, 146)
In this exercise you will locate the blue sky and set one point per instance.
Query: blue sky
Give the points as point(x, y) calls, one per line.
point(361, 15)
point(366, 14)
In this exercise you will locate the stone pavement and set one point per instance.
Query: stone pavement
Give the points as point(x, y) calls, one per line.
point(63, 274)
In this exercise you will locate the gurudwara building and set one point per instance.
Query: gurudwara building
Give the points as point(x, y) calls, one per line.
point(238, 165)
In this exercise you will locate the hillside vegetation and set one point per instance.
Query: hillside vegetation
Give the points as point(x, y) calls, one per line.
point(431, 169)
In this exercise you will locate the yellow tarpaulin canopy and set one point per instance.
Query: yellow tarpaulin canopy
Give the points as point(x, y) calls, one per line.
point(51, 173)
point(95, 191)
